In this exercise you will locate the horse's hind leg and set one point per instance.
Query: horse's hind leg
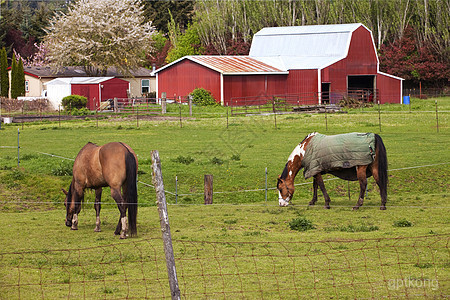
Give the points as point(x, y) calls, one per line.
point(97, 206)
point(319, 179)
point(122, 224)
point(383, 192)
point(362, 178)
point(315, 185)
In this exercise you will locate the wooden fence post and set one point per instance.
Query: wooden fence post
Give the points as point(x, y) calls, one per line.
point(208, 189)
point(165, 228)
point(163, 105)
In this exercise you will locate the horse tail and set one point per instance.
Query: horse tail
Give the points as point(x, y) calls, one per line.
point(382, 166)
point(131, 193)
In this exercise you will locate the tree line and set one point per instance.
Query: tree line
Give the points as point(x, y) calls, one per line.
point(411, 36)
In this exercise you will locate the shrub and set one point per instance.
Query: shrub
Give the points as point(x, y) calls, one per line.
point(301, 224)
point(203, 97)
point(74, 101)
point(64, 169)
point(402, 223)
point(81, 112)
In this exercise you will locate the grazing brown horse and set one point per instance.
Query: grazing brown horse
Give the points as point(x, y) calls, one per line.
point(114, 165)
point(354, 156)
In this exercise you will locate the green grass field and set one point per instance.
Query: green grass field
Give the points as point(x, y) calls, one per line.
point(242, 246)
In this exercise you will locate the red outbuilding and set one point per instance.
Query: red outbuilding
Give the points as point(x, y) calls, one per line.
point(97, 89)
point(318, 63)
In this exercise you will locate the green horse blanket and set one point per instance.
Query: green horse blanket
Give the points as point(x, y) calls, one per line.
point(327, 153)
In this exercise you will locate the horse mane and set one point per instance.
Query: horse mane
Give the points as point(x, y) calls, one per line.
point(69, 193)
point(285, 171)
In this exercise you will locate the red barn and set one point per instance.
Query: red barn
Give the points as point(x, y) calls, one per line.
point(97, 89)
point(320, 62)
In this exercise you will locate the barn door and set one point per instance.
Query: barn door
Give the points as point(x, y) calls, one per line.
point(361, 87)
point(325, 92)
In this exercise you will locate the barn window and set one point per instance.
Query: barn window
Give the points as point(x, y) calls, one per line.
point(145, 86)
point(27, 86)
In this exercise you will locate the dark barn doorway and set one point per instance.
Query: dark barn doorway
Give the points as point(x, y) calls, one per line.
point(361, 87)
point(325, 93)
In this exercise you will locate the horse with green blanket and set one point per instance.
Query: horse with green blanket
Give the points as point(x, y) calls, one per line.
point(352, 156)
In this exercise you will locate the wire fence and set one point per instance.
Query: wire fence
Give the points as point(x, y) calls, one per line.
point(265, 189)
point(402, 267)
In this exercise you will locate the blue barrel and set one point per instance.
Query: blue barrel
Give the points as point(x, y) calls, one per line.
point(405, 99)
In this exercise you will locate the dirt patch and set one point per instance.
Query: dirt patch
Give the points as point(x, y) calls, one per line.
point(115, 118)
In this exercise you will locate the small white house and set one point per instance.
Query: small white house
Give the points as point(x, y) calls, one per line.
point(57, 89)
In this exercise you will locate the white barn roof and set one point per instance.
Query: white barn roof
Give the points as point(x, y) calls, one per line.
point(89, 80)
point(302, 47)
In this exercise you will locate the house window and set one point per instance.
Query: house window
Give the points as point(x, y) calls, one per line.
point(27, 86)
point(145, 86)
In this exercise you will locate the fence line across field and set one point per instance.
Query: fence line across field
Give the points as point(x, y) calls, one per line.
point(176, 194)
point(239, 191)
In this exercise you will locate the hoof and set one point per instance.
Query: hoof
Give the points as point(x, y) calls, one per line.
point(312, 203)
point(356, 208)
point(383, 208)
point(327, 207)
point(97, 230)
point(73, 228)
point(122, 237)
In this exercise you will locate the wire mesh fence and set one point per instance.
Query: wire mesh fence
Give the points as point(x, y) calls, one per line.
point(402, 267)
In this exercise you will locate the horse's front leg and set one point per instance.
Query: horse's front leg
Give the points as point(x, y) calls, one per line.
point(122, 226)
point(97, 206)
point(315, 185)
point(319, 179)
point(362, 178)
point(77, 212)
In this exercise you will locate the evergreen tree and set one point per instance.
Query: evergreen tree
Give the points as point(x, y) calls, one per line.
point(4, 80)
point(20, 78)
point(15, 90)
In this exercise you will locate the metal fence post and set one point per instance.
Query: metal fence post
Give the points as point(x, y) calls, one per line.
point(379, 115)
point(165, 228)
point(266, 186)
point(190, 105)
point(437, 118)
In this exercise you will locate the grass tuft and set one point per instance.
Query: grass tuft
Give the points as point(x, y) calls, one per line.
point(301, 224)
point(402, 223)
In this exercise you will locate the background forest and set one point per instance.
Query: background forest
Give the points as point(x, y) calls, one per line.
point(412, 36)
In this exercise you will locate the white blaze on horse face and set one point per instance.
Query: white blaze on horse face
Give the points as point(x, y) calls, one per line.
point(281, 201)
point(74, 222)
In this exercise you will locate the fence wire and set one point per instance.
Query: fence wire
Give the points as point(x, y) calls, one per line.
point(176, 194)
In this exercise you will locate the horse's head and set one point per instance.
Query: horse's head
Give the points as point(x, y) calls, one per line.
point(285, 191)
point(285, 183)
point(73, 207)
